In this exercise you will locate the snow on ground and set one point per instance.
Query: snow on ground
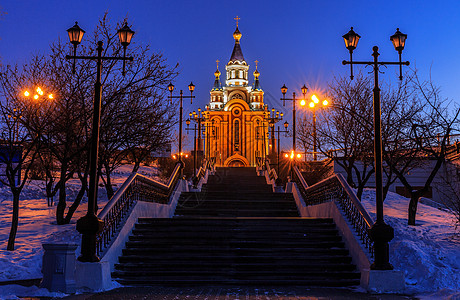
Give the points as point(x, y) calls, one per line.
point(428, 253)
point(37, 224)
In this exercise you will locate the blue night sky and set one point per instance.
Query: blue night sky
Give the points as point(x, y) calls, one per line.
point(295, 42)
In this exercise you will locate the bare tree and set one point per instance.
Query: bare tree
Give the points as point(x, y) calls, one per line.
point(426, 138)
point(127, 104)
point(132, 105)
point(18, 144)
point(346, 127)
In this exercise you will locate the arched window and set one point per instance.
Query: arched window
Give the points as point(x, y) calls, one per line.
point(236, 135)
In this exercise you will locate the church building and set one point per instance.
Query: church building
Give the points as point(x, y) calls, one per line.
point(236, 125)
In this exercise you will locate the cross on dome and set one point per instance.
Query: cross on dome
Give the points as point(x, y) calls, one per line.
point(237, 19)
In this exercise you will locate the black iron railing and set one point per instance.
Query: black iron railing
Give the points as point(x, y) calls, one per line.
point(201, 172)
point(271, 172)
point(136, 188)
point(336, 188)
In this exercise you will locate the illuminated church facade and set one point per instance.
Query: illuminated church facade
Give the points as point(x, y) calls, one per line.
point(236, 117)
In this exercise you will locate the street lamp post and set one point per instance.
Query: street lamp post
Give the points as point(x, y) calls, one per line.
point(285, 131)
point(315, 101)
point(210, 132)
point(199, 119)
point(293, 99)
point(90, 224)
point(272, 118)
point(191, 88)
point(194, 143)
point(380, 232)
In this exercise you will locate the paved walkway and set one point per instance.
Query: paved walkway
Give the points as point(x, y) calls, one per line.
point(232, 293)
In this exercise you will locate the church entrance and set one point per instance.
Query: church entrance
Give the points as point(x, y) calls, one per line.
point(236, 163)
point(236, 160)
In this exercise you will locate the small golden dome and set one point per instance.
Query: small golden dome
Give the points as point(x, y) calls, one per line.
point(256, 74)
point(237, 35)
point(217, 73)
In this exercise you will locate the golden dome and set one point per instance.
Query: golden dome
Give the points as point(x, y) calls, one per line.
point(256, 74)
point(237, 35)
point(217, 73)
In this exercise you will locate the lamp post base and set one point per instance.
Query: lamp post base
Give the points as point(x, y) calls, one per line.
point(89, 226)
point(381, 234)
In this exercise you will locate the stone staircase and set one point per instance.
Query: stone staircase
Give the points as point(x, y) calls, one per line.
point(236, 232)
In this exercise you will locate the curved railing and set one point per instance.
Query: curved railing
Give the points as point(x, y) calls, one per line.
point(136, 188)
point(271, 172)
point(201, 172)
point(336, 188)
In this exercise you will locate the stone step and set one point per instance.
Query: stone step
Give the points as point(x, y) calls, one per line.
point(214, 281)
point(207, 265)
point(261, 259)
point(232, 252)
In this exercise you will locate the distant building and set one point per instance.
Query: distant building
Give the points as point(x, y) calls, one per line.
point(443, 188)
point(13, 155)
point(163, 151)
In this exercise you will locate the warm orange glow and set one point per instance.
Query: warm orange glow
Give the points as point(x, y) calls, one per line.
point(186, 155)
point(26, 93)
point(299, 155)
point(39, 91)
point(50, 96)
point(302, 102)
point(292, 154)
point(315, 99)
point(35, 97)
point(312, 104)
point(286, 155)
point(325, 103)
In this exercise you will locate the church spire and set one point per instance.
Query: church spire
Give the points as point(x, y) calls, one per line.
point(237, 54)
point(256, 77)
point(217, 85)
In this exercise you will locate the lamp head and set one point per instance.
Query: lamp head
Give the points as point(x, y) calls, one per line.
point(191, 87)
point(399, 40)
point(351, 39)
point(75, 34)
point(284, 89)
point(304, 90)
point(125, 34)
point(286, 124)
point(170, 87)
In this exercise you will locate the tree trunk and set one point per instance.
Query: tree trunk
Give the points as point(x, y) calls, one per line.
point(412, 208)
point(60, 209)
point(385, 191)
point(76, 203)
point(137, 164)
point(14, 221)
point(359, 193)
point(108, 184)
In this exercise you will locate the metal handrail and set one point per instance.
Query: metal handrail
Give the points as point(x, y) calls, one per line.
point(271, 172)
point(336, 188)
point(136, 188)
point(201, 172)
